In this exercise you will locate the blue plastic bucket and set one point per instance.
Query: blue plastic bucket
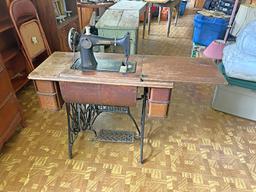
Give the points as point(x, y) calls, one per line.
point(208, 29)
point(183, 5)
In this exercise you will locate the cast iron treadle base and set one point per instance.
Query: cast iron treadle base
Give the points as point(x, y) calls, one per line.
point(116, 136)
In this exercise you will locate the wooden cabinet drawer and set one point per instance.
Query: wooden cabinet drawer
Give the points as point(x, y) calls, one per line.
point(5, 86)
point(8, 111)
point(158, 103)
point(45, 86)
point(98, 94)
point(49, 95)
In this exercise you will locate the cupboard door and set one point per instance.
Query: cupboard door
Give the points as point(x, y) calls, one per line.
point(5, 86)
point(8, 112)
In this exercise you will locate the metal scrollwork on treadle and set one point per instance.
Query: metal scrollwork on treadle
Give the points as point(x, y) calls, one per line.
point(81, 117)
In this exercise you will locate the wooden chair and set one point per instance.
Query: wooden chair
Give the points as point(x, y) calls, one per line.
point(36, 49)
point(30, 32)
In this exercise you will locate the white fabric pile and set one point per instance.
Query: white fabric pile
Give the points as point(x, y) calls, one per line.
point(246, 14)
point(239, 59)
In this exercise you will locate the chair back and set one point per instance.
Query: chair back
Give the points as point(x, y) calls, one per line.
point(29, 30)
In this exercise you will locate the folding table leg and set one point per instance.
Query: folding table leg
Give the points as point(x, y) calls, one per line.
point(169, 21)
point(149, 16)
point(70, 143)
point(159, 14)
point(144, 23)
point(177, 14)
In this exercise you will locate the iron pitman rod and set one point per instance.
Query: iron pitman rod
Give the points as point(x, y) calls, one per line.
point(81, 117)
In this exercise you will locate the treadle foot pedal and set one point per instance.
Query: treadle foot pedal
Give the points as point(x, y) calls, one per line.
point(117, 136)
point(115, 109)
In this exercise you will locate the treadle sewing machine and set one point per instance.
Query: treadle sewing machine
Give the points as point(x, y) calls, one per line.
point(103, 82)
point(86, 42)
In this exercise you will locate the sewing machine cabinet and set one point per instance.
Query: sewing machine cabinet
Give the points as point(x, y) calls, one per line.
point(49, 95)
point(98, 94)
point(158, 102)
point(90, 93)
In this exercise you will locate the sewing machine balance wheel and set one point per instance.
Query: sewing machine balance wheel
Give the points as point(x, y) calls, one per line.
point(73, 39)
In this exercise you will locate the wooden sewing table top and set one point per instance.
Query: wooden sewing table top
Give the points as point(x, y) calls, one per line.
point(152, 71)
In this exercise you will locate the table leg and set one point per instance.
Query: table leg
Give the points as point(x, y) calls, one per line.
point(159, 14)
point(149, 16)
point(177, 14)
point(143, 115)
point(81, 117)
point(144, 23)
point(70, 138)
point(169, 21)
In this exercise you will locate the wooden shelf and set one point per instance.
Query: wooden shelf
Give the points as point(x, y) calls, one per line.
point(19, 82)
point(9, 54)
point(5, 25)
point(67, 20)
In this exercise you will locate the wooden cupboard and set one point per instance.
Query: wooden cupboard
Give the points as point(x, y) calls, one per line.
point(10, 50)
point(10, 112)
point(56, 32)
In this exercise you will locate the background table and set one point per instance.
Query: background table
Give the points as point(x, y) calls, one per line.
point(116, 23)
point(139, 6)
point(171, 4)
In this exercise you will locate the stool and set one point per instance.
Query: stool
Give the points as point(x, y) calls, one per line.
point(171, 5)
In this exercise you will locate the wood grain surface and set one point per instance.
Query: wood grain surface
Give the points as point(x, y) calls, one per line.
point(180, 69)
point(152, 71)
point(157, 1)
point(115, 19)
point(129, 5)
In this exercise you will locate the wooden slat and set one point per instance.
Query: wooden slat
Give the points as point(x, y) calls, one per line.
point(52, 66)
point(119, 19)
point(157, 1)
point(180, 69)
point(157, 71)
point(110, 19)
point(129, 20)
point(129, 5)
point(5, 25)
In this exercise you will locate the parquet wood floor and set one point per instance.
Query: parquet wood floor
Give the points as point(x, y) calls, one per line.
point(194, 149)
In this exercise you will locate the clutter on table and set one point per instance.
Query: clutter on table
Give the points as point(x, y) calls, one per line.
point(225, 6)
point(197, 50)
point(211, 13)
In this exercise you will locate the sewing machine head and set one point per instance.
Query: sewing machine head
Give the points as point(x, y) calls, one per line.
point(85, 43)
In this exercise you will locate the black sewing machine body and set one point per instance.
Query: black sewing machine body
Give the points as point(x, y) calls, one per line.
point(87, 61)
